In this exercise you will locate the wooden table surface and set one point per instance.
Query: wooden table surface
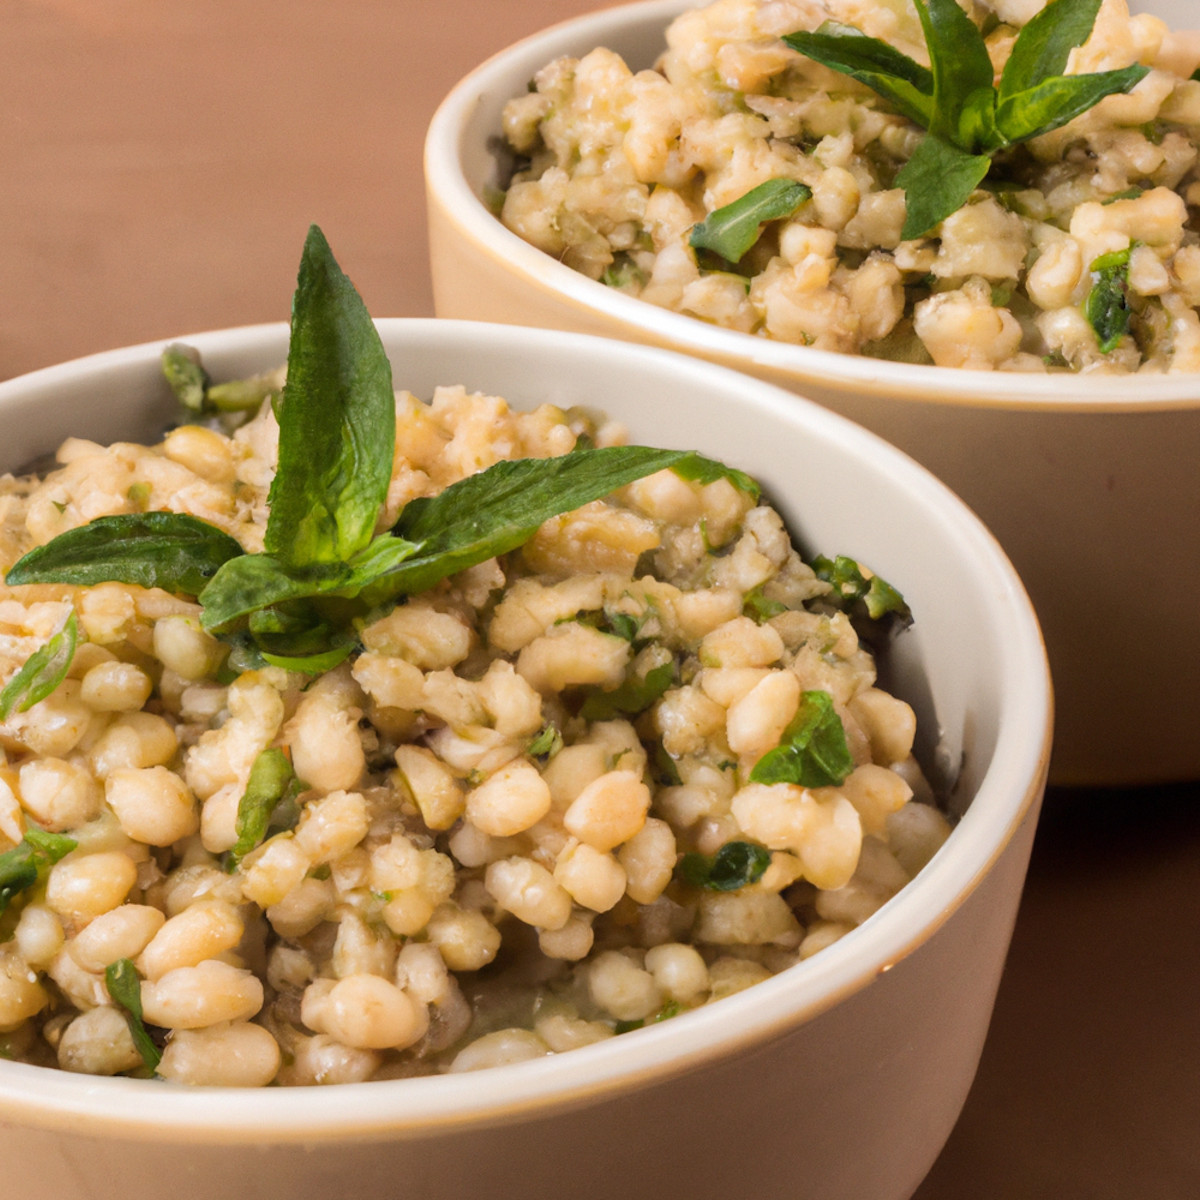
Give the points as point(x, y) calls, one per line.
point(160, 162)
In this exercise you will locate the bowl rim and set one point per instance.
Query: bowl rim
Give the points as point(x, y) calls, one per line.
point(1008, 794)
point(452, 131)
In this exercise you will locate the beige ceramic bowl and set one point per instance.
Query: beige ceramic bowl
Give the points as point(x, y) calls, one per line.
point(838, 1079)
point(1090, 484)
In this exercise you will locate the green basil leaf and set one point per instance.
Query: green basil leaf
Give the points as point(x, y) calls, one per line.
point(1045, 42)
point(125, 988)
point(172, 551)
point(960, 64)
point(734, 866)
point(634, 695)
point(42, 671)
point(257, 581)
point(698, 469)
point(337, 421)
point(182, 369)
point(731, 231)
point(502, 507)
point(271, 777)
point(937, 181)
point(1107, 303)
point(900, 80)
point(812, 751)
point(1054, 102)
point(21, 867)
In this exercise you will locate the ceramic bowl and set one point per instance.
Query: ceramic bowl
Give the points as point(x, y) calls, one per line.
point(1089, 483)
point(839, 1078)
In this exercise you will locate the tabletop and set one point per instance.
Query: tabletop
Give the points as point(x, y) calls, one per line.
point(161, 164)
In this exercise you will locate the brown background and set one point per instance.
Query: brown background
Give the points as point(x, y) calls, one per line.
point(160, 162)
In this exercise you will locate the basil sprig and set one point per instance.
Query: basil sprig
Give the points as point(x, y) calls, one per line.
point(23, 865)
point(172, 551)
point(730, 231)
point(967, 119)
point(1107, 303)
point(125, 988)
point(812, 751)
point(324, 567)
point(42, 671)
point(734, 866)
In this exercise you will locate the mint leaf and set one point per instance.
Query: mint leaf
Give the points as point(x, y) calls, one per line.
point(501, 508)
point(735, 865)
point(730, 231)
point(812, 751)
point(696, 468)
point(1054, 102)
point(270, 781)
point(1107, 303)
point(1045, 43)
point(961, 70)
point(257, 581)
point(125, 988)
point(172, 551)
point(22, 866)
point(337, 421)
point(42, 671)
point(900, 80)
point(937, 180)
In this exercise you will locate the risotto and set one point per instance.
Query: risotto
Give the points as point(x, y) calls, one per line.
point(629, 765)
point(1067, 247)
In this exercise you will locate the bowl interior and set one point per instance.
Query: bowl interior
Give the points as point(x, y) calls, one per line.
point(973, 666)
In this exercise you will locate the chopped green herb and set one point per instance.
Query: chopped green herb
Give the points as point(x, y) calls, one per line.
point(271, 782)
point(967, 119)
point(42, 672)
point(729, 232)
point(183, 370)
point(1128, 194)
point(629, 1026)
point(125, 988)
point(758, 606)
point(546, 744)
point(735, 865)
point(1107, 303)
point(853, 589)
point(812, 751)
point(634, 695)
point(23, 865)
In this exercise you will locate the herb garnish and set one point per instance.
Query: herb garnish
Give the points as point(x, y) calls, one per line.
point(125, 988)
point(967, 119)
point(812, 751)
point(324, 567)
point(42, 671)
point(633, 695)
point(729, 232)
point(22, 866)
point(1107, 303)
point(271, 785)
point(735, 865)
point(858, 594)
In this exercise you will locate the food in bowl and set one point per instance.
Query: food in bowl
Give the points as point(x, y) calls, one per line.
point(753, 180)
point(374, 737)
